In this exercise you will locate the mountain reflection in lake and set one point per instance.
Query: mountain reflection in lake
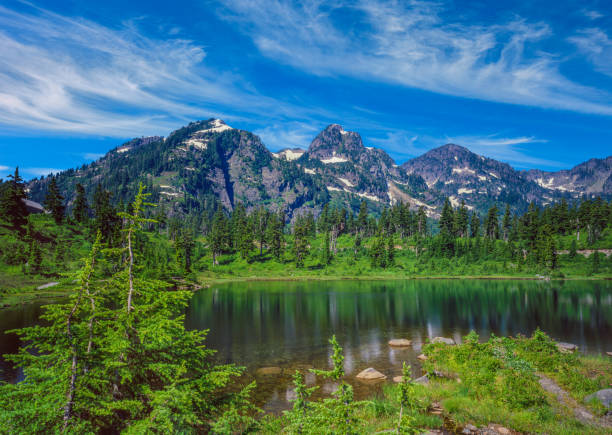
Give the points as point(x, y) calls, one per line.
point(267, 326)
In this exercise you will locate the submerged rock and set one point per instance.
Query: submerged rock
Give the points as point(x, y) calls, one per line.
point(609, 353)
point(603, 396)
point(566, 347)
point(269, 371)
point(371, 374)
point(444, 340)
point(399, 342)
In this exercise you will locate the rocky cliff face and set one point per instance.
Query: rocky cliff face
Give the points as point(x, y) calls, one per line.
point(208, 161)
point(592, 177)
point(196, 166)
point(352, 171)
point(461, 175)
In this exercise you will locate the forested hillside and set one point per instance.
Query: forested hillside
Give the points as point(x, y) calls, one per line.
point(560, 240)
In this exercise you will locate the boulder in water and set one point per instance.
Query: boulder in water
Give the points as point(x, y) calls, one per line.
point(371, 374)
point(399, 342)
point(269, 371)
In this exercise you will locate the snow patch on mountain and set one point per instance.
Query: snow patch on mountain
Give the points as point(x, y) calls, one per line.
point(462, 170)
point(217, 127)
point(347, 182)
point(200, 144)
point(334, 159)
point(289, 154)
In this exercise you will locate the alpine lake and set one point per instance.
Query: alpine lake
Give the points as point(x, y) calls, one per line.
point(276, 327)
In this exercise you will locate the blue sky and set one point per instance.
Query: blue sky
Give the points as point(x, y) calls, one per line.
point(529, 83)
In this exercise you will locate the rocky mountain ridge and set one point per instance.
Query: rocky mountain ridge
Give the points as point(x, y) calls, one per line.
point(208, 161)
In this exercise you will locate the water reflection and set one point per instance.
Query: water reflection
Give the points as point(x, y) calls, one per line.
point(285, 324)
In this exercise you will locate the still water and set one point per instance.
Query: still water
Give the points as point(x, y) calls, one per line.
point(274, 328)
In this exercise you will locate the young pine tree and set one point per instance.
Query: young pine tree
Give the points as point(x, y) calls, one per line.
point(117, 358)
point(407, 401)
point(337, 415)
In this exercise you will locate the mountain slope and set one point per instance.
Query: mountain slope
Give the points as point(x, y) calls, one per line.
point(591, 177)
point(196, 166)
point(460, 174)
point(207, 162)
point(355, 172)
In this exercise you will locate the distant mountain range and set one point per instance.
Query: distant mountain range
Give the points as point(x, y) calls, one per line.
point(207, 162)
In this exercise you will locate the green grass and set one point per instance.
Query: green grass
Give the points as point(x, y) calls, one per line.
point(346, 264)
point(494, 382)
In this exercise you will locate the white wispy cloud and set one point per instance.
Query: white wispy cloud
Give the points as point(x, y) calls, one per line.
point(596, 46)
point(409, 43)
point(287, 135)
point(517, 151)
point(592, 14)
point(68, 74)
point(4, 168)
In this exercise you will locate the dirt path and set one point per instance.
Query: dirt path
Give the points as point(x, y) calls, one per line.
point(580, 412)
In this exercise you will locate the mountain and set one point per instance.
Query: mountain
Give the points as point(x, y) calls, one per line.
point(352, 171)
point(207, 162)
point(196, 166)
point(459, 174)
point(591, 177)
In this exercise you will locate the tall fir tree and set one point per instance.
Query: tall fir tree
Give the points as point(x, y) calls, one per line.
point(80, 211)
point(54, 201)
point(218, 235)
point(12, 202)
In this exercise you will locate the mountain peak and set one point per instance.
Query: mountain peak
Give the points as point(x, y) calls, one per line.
point(334, 141)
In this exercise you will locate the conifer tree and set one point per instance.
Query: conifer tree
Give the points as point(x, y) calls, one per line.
point(54, 202)
point(117, 357)
point(357, 245)
point(80, 212)
point(35, 257)
point(326, 255)
point(422, 221)
point(474, 226)
point(572, 249)
point(106, 221)
point(491, 224)
point(218, 234)
point(507, 223)
point(461, 221)
point(447, 218)
point(261, 219)
point(362, 217)
point(300, 244)
point(390, 261)
point(12, 205)
point(275, 234)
